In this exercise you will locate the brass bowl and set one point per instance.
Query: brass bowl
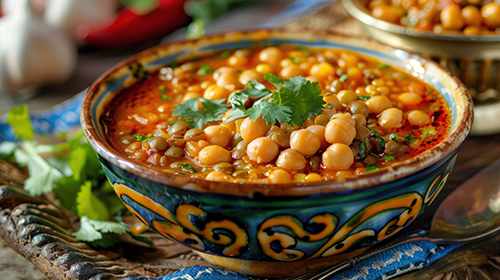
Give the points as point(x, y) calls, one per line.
point(473, 59)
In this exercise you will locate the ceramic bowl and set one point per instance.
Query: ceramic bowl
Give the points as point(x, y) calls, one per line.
point(278, 230)
point(474, 59)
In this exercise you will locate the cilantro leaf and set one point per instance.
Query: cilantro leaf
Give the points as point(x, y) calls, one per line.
point(389, 158)
point(371, 169)
point(409, 137)
point(270, 112)
point(188, 167)
point(205, 69)
point(382, 66)
point(276, 81)
point(88, 204)
point(162, 89)
point(305, 51)
point(428, 130)
point(344, 77)
point(212, 111)
point(141, 238)
point(381, 140)
point(19, 119)
point(362, 150)
point(225, 54)
point(363, 97)
point(166, 98)
point(429, 91)
point(87, 232)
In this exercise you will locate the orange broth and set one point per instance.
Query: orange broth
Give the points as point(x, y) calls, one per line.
point(145, 111)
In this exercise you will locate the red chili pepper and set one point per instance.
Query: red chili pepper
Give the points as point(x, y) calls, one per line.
point(129, 28)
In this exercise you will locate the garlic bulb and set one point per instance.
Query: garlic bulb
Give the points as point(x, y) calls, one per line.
point(68, 15)
point(9, 6)
point(31, 52)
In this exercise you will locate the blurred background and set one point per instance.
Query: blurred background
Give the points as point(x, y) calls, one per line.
point(53, 49)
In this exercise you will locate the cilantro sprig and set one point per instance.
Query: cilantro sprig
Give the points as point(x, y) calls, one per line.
point(72, 171)
point(294, 101)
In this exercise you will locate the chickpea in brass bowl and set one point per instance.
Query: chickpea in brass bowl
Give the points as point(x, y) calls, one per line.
point(272, 152)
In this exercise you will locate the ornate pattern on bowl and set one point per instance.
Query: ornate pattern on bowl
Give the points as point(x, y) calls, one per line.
point(278, 230)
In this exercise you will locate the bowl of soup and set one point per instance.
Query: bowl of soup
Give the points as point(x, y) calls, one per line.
point(272, 152)
point(462, 36)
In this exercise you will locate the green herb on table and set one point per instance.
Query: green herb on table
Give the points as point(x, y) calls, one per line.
point(73, 172)
point(344, 77)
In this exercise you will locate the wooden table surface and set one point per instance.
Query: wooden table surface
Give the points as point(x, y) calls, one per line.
point(475, 261)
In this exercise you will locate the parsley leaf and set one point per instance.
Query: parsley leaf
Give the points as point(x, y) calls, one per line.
point(381, 140)
point(362, 150)
point(389, 158)
point(205, 69)
point(88, 204)
point(428, 130)
point(19, 119)
point(409, 137)
point(225, 54)
point(212, 111)
point(188, 167)
point(371, 169)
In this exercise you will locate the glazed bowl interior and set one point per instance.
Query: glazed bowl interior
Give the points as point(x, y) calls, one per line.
point(150, 61)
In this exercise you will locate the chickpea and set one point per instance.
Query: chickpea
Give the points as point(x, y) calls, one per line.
point(322, 120)
point(213, 154)
point(249, 75)
point(336, 86)
point(218, 176)
point(347, 96)
point(451, 17)
point(271, 55)
point(190, 95)
point(348, 60)
point(337, 157)
point(227, 80)
point(340, 131)
point(319, 131)
point(323, 70)
point(251, 130)
point(378, 103)
point(362, 133)
point(264, 68)
point(391, 147)
point(290, 71)
point(409, 98)
point(193, 148)
point(472, 16)
point(223, 70)
point(388, 13)
point(313, 177)
point(285, 62)
point(262, 150)
point(359, 107)
point(472, 31)
point(238, 59)
point(354, 73)
point(346, 117)
point(218, 135)
point(391, 118)
point(280, 176)
point(491, 15)
point(332, 99)
point(291, 160)
point(418, 118)
point(359, 119)
point(216, 92)
point(140, 155)
point(305, 142)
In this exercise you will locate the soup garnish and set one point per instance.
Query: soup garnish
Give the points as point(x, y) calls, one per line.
point(276, 115)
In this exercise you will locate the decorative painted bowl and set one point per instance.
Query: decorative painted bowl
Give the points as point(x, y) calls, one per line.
point(278, 230)
point(474, 59)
